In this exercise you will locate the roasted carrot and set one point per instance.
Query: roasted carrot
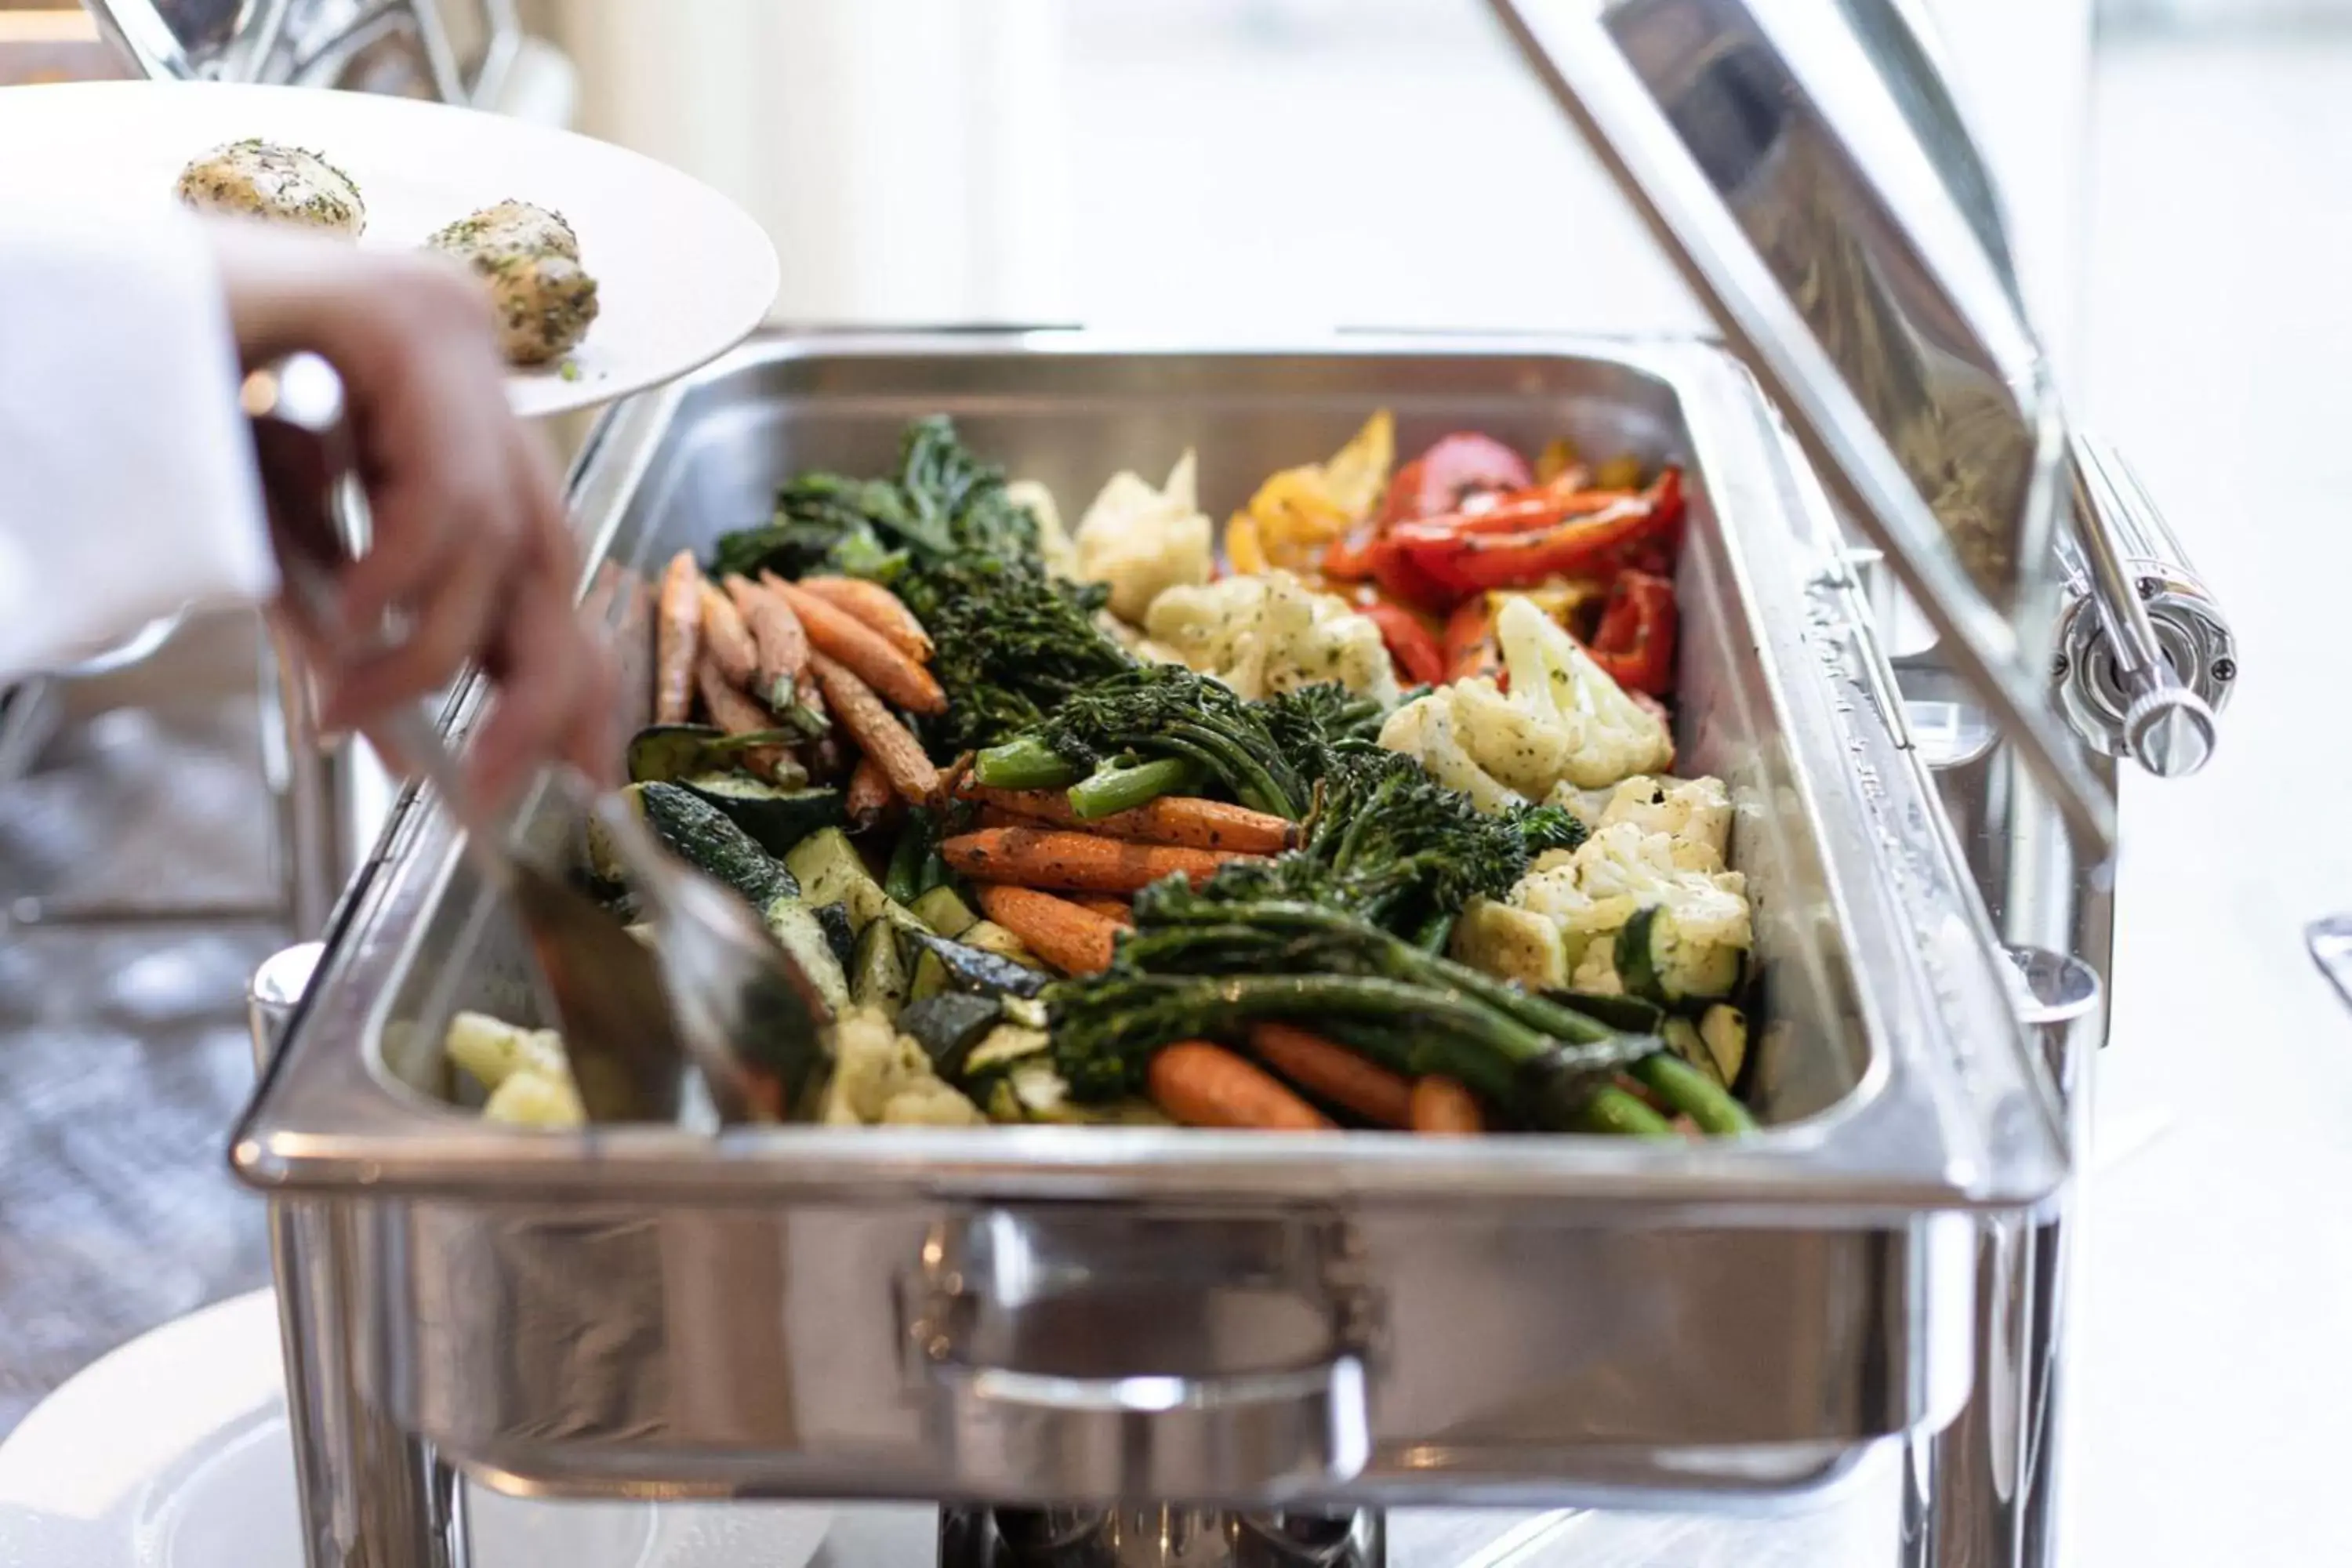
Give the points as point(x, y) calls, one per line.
point(1171, 819)
point(997, 816)
point(737, 714)
point(1444, 1106)
point(869, 793)
point(678, 638)
point(1073, 940)
point(1202, 1085)
point(727, 640)
point(852, 644)
point(1110, 906)
point(1334, 1073)
point(879, 608)
point(876, 730)
point(776, 638)
point(1041, 857)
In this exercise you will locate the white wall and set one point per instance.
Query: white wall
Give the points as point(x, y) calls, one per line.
point(1214, 164)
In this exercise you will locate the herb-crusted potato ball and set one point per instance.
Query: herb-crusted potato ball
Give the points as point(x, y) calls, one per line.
point(282, 184)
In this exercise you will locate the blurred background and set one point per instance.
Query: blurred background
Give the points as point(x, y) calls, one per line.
point(1232, 168)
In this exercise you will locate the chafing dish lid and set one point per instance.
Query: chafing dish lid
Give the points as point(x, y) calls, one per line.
point(1806, 166)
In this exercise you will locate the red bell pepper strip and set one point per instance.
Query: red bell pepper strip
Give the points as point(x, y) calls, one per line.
point(1471, 647)
point(1635, 640)
point(1415, 651)
point(1464, 559)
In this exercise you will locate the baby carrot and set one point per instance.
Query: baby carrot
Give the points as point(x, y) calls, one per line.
point(1202, 1085)
point(1080, 862)
point(1109, 905)
point(727, 640)
point(879, 608)
point(737, 714)
point(1171, 819)
point(776, 637)
point(876, 730)
point(862, 650)
point(678, 638)
point(869, 793)
point(1073, 940)
point(1335, 1073)
point(1444, 1106)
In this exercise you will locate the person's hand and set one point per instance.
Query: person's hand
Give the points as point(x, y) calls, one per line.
point(470, 543)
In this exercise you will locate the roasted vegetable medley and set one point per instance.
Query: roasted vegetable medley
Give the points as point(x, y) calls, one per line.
point(1365, 819)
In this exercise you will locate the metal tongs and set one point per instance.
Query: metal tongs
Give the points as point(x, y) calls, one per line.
point(639, 1024)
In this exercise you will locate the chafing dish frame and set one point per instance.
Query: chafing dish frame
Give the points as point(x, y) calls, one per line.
point(465, 1240)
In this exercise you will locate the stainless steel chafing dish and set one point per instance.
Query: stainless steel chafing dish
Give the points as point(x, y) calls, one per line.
point(1072, 1316)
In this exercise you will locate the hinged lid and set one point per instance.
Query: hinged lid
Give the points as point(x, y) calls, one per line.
point(1803, 161)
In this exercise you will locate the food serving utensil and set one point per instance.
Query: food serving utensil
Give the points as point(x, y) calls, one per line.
point(638, 1020)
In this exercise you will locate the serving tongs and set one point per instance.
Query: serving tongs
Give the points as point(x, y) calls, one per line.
point(642, 1024)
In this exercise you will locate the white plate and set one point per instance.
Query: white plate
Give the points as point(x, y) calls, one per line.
point(683, 274)
point(172, 1453)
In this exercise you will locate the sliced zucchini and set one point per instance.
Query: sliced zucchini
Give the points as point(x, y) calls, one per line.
point(701, 835)
point(947, 1025)
point(799, 929)
point(668, 754)
point(776, 818)
point(877, 974)
point(1003, 1049)
point(968, 968)
point(603, 860)
point(1724, 1030)
point(838, 932)
point(930, 978)
point(1655, 963)
point(990, 937)
point(832, 872)
point(945, 912)
point(1681, 1037)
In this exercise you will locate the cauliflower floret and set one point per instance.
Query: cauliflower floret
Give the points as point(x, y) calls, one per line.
point(1142, 541)
point(1132, 639)
point(1425, 729)
point(1695, 813)
point(1615, 737)
point(1699, 928)
point(1269, 633)
point(882, 1077)
point(1585, 919)
point(1564, 727)
point(1054, 544)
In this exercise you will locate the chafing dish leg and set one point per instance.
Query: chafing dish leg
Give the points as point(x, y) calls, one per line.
point(1158, 1536)
point(370, 1495)
point(1983, 1490)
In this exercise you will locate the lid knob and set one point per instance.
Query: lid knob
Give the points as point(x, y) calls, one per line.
point(2169, 731)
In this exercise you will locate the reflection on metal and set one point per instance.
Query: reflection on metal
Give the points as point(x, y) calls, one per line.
point(1158, 1537)
point(1808, 173)
point(2146, 661)
point(404, 48)
point(1979, 1492)
point(369, 1494)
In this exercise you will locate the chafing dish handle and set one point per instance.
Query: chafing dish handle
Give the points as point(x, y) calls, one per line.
point(2118, 556)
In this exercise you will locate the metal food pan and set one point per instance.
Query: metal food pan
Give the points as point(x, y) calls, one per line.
point(1066, 1314)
